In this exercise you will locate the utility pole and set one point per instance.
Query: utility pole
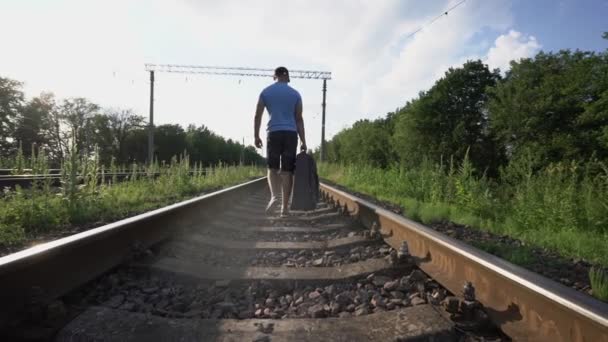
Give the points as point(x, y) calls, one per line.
point(322, 152)
point(243, 153)
point(151, 124)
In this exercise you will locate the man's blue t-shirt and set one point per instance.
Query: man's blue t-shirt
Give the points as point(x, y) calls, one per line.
point(280, 99)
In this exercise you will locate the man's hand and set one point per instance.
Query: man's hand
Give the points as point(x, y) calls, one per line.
point(303, 146)
point(259, 110)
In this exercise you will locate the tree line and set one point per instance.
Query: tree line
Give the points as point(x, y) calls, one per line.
point(61, 127)
point(549, 108)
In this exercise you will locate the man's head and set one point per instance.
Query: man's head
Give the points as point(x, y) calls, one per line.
point(281, 74)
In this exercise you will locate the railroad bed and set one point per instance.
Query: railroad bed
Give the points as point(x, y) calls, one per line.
point(218, 268)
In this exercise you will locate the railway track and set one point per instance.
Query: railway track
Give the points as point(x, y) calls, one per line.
point(54, 179)
point(217, 268)
point(9, 172)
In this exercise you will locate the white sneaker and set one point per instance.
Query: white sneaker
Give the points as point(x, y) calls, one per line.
point(284, 212)
point(272, 204)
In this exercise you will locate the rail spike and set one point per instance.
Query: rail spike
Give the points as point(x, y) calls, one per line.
point(468, 291)
point(375, 231)
point(345, 210)
point(404, 252)
point(469, 306)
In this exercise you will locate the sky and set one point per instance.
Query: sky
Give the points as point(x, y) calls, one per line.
point(97, 49)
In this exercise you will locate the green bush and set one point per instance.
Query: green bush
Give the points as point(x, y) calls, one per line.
point(561, 207)
point(28, 213)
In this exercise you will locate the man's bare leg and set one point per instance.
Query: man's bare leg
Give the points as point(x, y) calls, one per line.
point(287, 180)
point(274, 183)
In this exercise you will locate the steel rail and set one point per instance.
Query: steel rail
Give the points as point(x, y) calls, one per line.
point(9, 172)
point(55, 175)
point(27, 180)
point(527, 306)
point(39, 274)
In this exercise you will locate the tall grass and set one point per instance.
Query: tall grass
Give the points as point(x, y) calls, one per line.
point(599, 282)
point(26, 213)
point(562, 207)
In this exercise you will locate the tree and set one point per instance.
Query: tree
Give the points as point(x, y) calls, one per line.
point(450, 120)
point(53, 129)
point(136, 145)
point(32, 125)
point(169, 141)
point(78, 125)
point(11, 101)
point(209, 148)
point(251, 156)
point(120, 124)
point(554, 106)
point(101, 136)
point(203, 145)
point(77, 115)
point(365, 142)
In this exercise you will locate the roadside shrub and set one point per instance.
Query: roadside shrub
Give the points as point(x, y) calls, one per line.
point(26, 213)
point(561, 207)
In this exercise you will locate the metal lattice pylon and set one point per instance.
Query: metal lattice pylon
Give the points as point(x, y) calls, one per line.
point(235, 71)
point(230, 71)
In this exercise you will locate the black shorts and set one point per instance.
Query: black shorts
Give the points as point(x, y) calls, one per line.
point(281, 150)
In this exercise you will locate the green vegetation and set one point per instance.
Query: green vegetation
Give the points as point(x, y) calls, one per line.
point(520, 255)
point(599, 282)
point(80, 137)
point(554, 107)
point(25, 214)
point(561, 208)
point(449, 120)
point(522, 153)
point(549, 109)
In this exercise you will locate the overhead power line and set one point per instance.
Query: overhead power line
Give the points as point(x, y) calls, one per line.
point(435, 19)
point(235, 71)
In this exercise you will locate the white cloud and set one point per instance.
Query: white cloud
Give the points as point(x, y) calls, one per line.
point(511, 46)
point(428, 54)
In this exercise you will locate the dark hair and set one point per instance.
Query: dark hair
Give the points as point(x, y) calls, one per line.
point(281, 71)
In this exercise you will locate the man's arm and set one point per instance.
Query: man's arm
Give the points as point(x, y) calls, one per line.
point(300, 125)
point(257, 122)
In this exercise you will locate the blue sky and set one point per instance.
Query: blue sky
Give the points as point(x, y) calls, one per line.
point(97, 49)
point(565, 24)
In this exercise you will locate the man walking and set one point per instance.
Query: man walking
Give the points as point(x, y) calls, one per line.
point(284, 105)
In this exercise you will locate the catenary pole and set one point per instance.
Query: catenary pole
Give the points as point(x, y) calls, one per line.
point(322, 149)
point(151, 123)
